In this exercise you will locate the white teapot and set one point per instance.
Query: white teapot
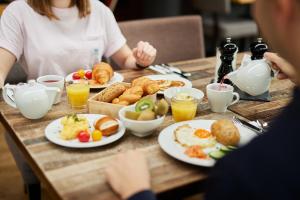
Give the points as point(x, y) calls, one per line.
point(33, 100)
point(253, 77)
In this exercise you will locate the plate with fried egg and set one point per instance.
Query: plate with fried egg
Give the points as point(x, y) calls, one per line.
point(192, 141)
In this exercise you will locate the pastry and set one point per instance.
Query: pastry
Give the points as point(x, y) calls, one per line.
point(107, 125)
point(130, 98)
point(102, 73)
point(137, 90)
point(226, 132)
point(151, 87)
point(112, 92)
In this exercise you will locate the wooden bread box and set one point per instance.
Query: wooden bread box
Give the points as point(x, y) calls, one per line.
point(98, 107)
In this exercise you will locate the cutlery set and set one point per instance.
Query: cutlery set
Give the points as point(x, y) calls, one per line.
point(260, 129)
point(168, 69)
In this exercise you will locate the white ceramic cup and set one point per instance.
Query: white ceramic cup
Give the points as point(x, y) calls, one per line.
point(53, 81)
point(220, 97)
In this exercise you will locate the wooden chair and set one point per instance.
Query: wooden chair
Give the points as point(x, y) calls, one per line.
point(175, 38)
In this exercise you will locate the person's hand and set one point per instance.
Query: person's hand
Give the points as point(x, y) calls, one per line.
point(144, 54)
point(128, 173)
point(286, 70)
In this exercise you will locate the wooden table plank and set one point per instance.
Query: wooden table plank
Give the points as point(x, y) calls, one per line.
point(78, 173)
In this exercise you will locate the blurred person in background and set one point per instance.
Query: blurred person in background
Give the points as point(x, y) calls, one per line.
point(266, 168)
point(57, 37)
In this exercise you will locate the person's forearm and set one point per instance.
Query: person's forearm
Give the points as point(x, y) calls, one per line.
point(7, 59)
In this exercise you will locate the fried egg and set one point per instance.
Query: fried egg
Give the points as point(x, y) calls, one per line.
point(186, 136)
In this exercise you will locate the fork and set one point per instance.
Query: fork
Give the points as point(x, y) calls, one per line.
point(176, 70)
point(237, 121)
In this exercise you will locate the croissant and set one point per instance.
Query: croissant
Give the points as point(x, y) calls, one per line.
point(102, 73)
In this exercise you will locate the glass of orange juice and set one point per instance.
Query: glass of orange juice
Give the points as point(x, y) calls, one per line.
point(184, 107)
point(78, 94)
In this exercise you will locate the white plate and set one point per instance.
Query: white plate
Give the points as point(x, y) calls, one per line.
point(53, 129)
point(117, 78)
point(188, 83)
point(167, 142)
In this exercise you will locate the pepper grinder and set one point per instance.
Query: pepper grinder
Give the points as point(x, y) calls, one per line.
point(227, 50)
point(258, 49)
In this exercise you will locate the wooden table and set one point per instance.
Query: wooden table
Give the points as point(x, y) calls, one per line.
point(78, 174)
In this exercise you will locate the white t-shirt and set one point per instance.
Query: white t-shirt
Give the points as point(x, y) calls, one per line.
point(44, 46)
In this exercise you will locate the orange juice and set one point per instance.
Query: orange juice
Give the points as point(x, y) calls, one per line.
point(78, 94)
point(183, 108)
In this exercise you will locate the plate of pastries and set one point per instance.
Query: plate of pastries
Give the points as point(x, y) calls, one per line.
point(101, 76)
point(203, 142)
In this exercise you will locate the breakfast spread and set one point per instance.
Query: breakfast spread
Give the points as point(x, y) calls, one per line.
point(77, 126)
point(127, 94)
point(201, 143)
point(146, 110)
point(101, 74)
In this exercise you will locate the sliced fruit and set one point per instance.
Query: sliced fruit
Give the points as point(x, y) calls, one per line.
point(144, 104)
point(132, 115)
point(146, 115)
point(88, 75)
point(75, 76)
point(83, 136)
point(97, 135)
point(161, 107)
point(217, 154)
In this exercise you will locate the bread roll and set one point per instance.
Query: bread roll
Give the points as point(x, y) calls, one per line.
point(225, 132)
point(112, 92)
point(107, 125)
point(136, 90)
point(130, 98)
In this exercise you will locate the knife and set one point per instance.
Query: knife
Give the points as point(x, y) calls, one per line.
point(248, 125)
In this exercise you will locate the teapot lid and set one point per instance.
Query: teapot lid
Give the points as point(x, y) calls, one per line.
point(228, 47)
point(258, 49)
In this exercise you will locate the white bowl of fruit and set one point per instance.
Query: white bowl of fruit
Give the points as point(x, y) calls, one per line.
point(143, 118)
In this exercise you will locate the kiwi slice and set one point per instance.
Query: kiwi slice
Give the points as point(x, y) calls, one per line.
point(132, 115)
point(144, 104)
point(161, 107)
point(146, 115)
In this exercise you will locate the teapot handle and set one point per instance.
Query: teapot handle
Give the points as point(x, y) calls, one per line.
point(7, 93)
point(53, 92)
point(274, 72)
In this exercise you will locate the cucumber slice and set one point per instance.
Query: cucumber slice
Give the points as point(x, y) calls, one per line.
point(226, 149)
point(217, 154)
point(232, 147)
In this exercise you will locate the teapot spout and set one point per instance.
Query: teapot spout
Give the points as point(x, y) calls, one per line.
point(232, 76)
point(52, 92)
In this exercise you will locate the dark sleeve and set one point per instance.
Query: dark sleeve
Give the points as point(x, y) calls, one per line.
point(226, 181)
point(144, 195)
